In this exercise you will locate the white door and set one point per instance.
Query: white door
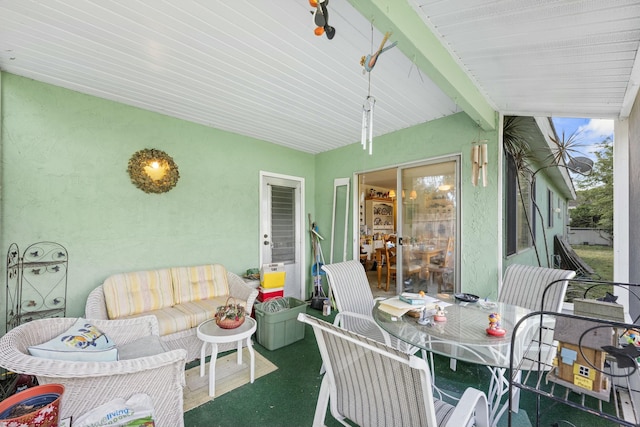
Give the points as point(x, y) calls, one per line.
point(281, 225)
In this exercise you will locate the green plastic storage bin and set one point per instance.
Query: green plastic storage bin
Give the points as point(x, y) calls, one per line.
point(281, 328)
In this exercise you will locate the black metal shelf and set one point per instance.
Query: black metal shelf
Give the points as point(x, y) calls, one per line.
point(614, 368)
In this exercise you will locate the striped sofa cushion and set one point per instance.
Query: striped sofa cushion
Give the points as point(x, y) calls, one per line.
point(199, 311)
point(170, 320)
point(199, 282)
point(128, 294)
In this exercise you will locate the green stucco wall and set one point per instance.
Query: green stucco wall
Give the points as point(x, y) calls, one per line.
point(64, 179)
point(542, 253)
point(64, 160)
point(479, 205)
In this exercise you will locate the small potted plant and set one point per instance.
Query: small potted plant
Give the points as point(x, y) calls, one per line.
point(230, 315)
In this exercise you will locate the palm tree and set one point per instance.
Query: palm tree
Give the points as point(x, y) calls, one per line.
point(517, 132)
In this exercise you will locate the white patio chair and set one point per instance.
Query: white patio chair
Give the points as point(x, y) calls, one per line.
point(527, 286)
point(354, 301)
point(524, 285)
point(370, 383)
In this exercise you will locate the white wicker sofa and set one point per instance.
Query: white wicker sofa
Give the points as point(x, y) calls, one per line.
point(91, 384)
point(180, 298)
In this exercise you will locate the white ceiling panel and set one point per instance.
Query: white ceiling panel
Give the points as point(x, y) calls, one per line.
point(543, 57)
point(257, 69)
point(253, 68)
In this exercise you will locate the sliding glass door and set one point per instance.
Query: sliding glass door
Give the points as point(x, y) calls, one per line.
point(428, 224)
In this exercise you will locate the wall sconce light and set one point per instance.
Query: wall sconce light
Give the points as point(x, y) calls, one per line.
point(479, 162)
point(413, 195)
point(156, 170)
point(392, 194)
point(153, 171)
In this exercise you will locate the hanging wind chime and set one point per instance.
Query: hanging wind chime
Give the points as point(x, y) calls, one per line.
point(479, 161)
point(368, 62)
point(367, 122)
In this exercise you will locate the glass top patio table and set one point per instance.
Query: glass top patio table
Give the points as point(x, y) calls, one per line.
point(463, 335)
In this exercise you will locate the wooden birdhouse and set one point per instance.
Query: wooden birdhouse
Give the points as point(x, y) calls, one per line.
point(580, 358)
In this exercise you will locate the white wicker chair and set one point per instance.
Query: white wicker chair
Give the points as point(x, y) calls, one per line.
point(370, 384)
point(91, 384)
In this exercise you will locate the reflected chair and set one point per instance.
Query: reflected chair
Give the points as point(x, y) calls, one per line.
point(380, 258)
point(445, 270)
point(372, 384)
point(390, 253)
point(383, 258)
point(409, 268)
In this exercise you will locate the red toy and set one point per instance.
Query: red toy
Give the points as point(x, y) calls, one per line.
point(494, 326)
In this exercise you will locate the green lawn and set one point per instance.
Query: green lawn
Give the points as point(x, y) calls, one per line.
point(600, 258)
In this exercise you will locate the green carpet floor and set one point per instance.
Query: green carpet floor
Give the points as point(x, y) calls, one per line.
point(287, 397)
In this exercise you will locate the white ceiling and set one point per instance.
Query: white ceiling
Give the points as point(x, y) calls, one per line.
point(255, 67)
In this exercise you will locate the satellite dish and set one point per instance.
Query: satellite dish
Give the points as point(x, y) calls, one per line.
point(581, 165)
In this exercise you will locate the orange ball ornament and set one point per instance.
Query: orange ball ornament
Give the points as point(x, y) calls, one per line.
point(313, 3)
point(318, 31)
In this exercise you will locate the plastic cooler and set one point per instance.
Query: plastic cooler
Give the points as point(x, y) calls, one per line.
point(265, 294)
point(280, 328)
point(272, 275)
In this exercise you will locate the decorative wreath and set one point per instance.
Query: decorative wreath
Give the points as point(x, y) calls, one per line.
point(141, 179)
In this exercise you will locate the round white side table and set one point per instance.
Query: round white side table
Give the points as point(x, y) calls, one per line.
point(210, 333)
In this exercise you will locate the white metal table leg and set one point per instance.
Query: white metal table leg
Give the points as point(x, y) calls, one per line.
point(212, 369)
point(252, 357)
point(498, 388)
point(203, 355)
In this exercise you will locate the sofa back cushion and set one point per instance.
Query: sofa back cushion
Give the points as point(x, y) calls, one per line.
point(127, 294)
point(199, 282)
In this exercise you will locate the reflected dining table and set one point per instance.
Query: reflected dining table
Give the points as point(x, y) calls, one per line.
point(463, 337)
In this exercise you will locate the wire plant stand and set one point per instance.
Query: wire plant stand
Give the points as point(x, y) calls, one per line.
point(36, 287)
point(36, 283)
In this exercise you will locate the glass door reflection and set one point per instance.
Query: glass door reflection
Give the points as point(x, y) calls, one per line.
point(428, 224)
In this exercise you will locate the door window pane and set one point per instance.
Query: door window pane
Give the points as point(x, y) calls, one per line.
point(283, 224)
point(429, 226)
